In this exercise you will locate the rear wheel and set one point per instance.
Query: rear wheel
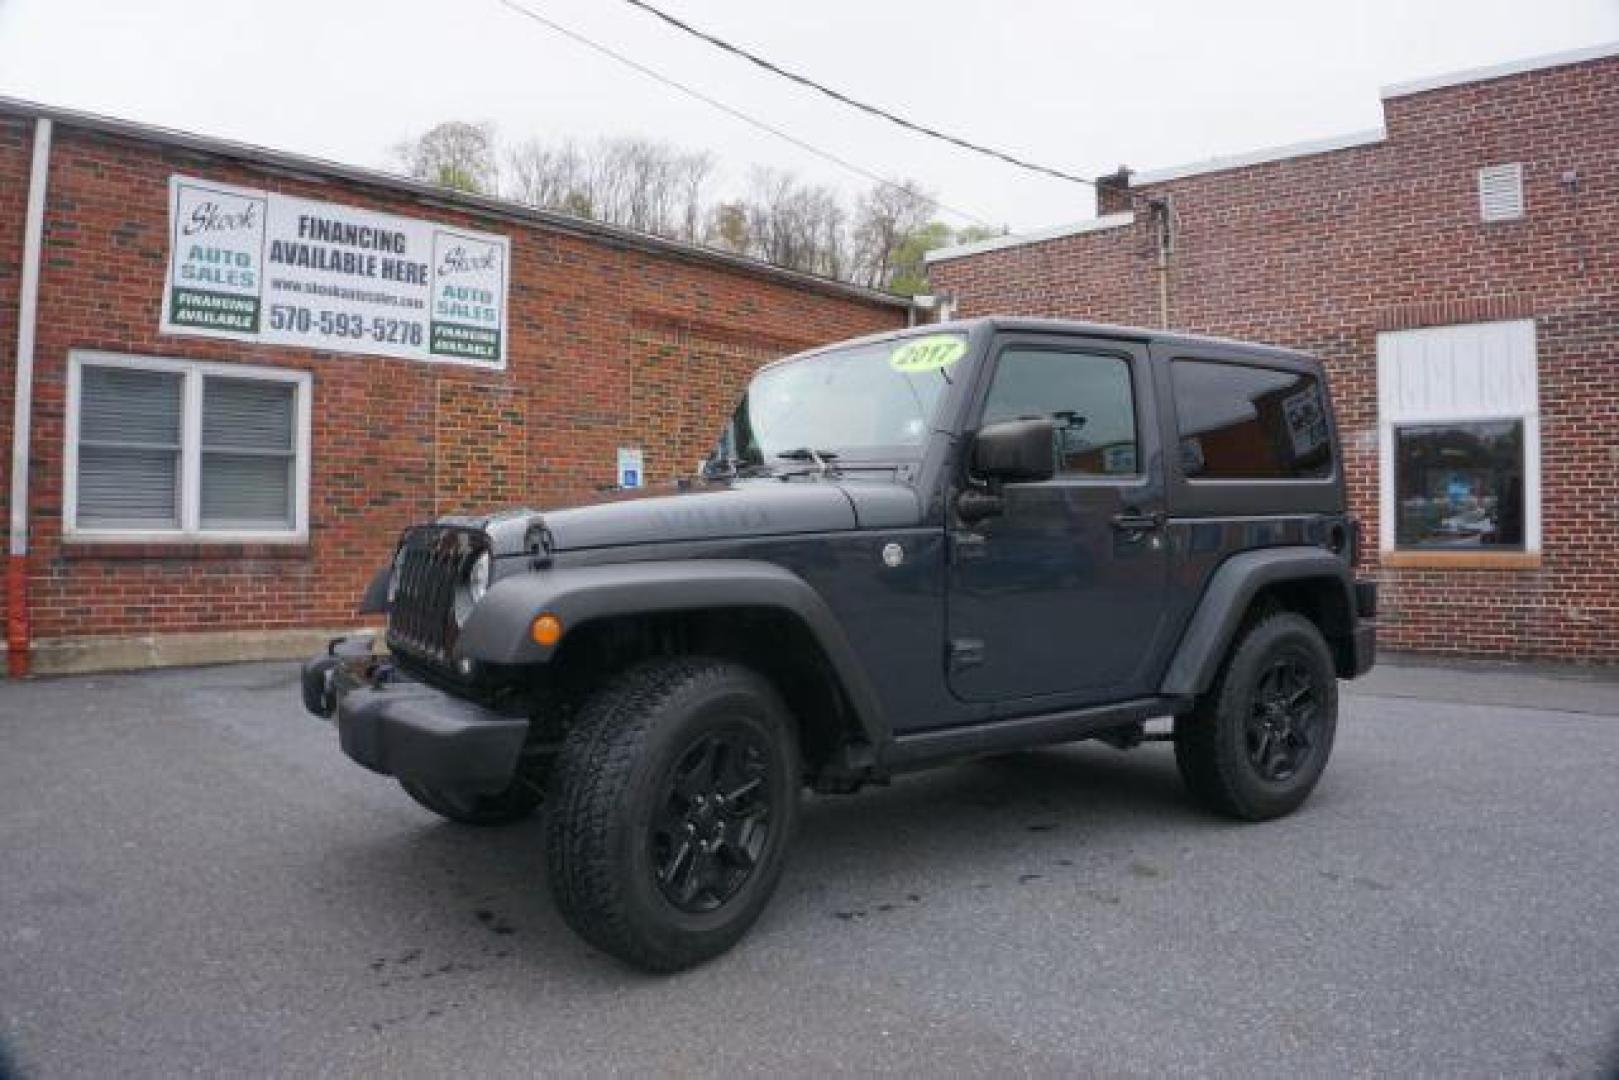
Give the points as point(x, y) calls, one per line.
point(1256, 744)
point(675, 798)
point(469, 808)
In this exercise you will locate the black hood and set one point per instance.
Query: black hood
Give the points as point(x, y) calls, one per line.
point(746, 508)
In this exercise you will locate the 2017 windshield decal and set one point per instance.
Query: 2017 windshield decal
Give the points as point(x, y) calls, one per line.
point(927, 354)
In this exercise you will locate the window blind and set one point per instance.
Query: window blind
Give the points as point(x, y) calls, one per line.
point(129, 448)
point(247, 453)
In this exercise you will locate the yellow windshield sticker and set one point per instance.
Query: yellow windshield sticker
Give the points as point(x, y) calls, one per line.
point(927, 353)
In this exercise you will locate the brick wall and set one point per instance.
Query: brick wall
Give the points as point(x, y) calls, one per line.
point(1323, 251)
point(609, 345)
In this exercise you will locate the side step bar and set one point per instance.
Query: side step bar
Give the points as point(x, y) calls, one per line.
point(923, 748)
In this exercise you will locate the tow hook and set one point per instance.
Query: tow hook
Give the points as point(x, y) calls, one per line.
point(351, 660)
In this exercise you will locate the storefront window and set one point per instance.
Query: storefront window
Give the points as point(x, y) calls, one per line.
point(1460, 485)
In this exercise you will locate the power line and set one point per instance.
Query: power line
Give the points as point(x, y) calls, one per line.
point(738, 114)
point(865, 107)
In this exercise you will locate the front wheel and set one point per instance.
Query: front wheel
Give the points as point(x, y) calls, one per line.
point(675, 797)
point(1255, 745)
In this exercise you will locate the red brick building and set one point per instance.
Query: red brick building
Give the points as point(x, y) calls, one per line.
point(1458, 272)
point(190, 497)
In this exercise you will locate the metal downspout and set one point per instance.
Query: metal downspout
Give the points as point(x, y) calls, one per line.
point(17, 634)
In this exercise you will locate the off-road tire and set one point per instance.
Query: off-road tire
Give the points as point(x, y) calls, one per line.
point(514, 804)
point(1212, 742)
point(610, 788)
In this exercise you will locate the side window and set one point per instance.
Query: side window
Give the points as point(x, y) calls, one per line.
point(1089, 396)
point(1250, 423)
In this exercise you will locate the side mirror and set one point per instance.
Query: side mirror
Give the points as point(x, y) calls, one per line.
point(1016, 451)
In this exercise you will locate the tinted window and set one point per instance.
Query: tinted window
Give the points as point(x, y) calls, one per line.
point(1250, 423)
point(1087, 394)
point(1459, 485)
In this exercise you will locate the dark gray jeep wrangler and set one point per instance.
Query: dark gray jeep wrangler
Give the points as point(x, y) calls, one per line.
point(904, 550)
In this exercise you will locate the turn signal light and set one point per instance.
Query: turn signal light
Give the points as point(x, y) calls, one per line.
point(546, 630)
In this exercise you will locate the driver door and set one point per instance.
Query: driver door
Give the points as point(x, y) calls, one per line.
point(1061, 594)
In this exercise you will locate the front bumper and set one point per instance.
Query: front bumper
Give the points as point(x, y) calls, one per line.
point(409, 730)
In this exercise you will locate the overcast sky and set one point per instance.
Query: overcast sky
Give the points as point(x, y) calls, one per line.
point(1081, 85)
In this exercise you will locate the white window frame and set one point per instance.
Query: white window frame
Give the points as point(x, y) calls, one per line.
point(191, 529)
point(1391, 416)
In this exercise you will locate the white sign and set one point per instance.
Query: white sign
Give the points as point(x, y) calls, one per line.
point(1306, 420)
point(256, 266)
point(631, 467)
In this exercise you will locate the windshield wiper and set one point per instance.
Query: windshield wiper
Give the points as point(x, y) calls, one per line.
point(823, 458)
point(733, 469)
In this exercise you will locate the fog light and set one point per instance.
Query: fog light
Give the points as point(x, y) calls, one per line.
point(466, 665)
point(547, 630)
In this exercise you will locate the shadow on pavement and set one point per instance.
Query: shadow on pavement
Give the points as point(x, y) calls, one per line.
point(475, 897)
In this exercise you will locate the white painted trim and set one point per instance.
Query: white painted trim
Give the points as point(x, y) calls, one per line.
point(1528, 413)
point(998, 243)
point(22, 408)
point(1265, 155)
point(191, 530)
point(1501, 71)
point(190, 454)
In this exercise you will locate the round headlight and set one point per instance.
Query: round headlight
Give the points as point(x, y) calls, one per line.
point(478, 577)
point(393, 575)
point(472, 590)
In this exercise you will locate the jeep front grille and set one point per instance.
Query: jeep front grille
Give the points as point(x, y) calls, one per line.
point(433, 564)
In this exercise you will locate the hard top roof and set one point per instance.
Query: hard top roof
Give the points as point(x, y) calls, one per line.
point(1028, 324)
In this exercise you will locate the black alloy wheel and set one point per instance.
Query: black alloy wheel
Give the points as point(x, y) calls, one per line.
point(1281, 723)
point(672, 807)
point(713, 820)
point(1255, 744)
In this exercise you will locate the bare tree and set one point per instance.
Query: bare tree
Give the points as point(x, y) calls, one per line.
point(796, 225)
point(888, 215)
point(694, 172)
point(654, 187)
point(455, 154)
point(544, 175)
point(637, 183)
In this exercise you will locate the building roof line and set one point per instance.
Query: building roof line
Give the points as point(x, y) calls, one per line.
point(996, 243)
point(1501, 71)
point(1372, 136)
point(434, 194)
point(1261, 156)
point(1159, 176)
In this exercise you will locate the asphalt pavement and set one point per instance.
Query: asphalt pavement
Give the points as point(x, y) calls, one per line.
point(193, 880)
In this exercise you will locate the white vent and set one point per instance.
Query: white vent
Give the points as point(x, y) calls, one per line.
point(1500, 192)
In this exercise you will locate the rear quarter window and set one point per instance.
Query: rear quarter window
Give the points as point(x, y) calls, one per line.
point(1242, 422)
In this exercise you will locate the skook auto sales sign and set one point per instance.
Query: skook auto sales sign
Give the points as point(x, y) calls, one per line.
point(256, 266)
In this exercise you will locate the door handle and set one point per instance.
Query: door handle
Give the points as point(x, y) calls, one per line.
point(1133, 522)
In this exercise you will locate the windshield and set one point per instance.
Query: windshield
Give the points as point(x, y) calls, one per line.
point(864, 403)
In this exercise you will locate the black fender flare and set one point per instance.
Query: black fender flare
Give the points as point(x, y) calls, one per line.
point(498, 630)
point(374, 601)
point(1232, 587)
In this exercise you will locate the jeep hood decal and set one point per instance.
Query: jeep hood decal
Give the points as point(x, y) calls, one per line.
point(743, 509)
